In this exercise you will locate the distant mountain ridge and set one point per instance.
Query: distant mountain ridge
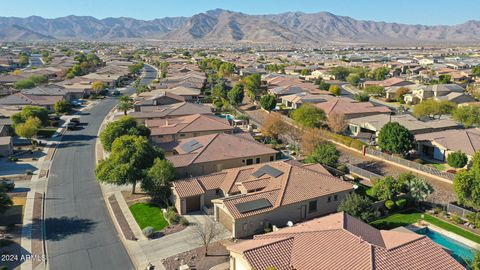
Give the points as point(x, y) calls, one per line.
point(226, 26)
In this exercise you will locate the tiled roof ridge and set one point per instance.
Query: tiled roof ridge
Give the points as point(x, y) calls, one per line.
point(249, 194)
point(420, 237)
point(284, 186)
point(204, 148)
point(470, 140)
point(229, 187)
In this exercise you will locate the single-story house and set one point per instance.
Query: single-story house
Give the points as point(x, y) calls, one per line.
point(296, 100)
point(374, 123)
point(156, 98)
point(183, 127)
point(215, 152)
point(423, 92)
point(438, 145)
point(388, 82)
point(19, 100)
point(351, 109)
point(143, 113)
point(188, 93)
point(340, 241)
point(248, 200)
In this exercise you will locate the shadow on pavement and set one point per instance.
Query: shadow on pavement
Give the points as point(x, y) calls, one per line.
point(58, 229)
point(78, 137)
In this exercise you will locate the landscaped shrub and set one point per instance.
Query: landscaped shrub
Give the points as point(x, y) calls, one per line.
point(457, 159)
point(343, 168)
point(184, 221)
point(148, 231)
point(457, 219)
point(171, 216)
point(389, 204)
point(401, 203)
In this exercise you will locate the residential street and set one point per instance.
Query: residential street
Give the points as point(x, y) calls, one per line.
point(79, 231)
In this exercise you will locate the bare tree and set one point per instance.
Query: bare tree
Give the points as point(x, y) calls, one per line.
point(336, 122)
point(206, 232)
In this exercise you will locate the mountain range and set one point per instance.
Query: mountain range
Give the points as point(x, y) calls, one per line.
point(226, 26)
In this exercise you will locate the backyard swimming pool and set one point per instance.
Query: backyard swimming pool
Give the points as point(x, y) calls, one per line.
point(461, 252)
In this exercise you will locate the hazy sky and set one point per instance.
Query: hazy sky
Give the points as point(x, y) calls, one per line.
point(402, 11)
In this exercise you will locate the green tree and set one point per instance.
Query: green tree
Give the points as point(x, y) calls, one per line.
point(305, 72)
point(38, 79)
point(128, 161)
point(457, 159)
point(353, 79)
point(325, 153)
point(220, 89)
point(98, 86)
point(375, 90)
point(322, 85)
point(358, 206)
point(467, 115)
point(444, 79)
point(125, 104)
point(362, 97)
point(253, 85)
point(5, 201)
point(24, 84)
point(476, 71)
point(28, 112)
point(380, 73)
point(433, 108)
point(335, 90)
point(268, 102)
point(62, 107)
point(29, 129)
point(159, 178)
point(126, 125)
point(396, 139)
point(308, 116)
point(226, 69)
point(475, 263)
point(340, 73)
point(466, 184)
point(386, 188)
point(401, 92)
point(236, 94)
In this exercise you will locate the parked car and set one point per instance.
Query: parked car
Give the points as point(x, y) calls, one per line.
point(7, 184)
point(71, 125)
point(76, 120)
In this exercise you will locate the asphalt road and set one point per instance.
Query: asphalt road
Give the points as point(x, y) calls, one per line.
point(79, 231)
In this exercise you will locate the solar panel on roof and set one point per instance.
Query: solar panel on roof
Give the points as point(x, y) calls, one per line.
point(190, 146)
point(266, 169)
point(253, 205)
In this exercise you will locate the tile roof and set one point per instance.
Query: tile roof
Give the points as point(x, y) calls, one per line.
point(340, 241)
point(350, 107)
point(298, 182)
point(176, 109)
point(465, 140)
point(188, 123)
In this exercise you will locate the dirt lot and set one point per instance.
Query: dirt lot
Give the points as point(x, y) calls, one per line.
point(217, 254)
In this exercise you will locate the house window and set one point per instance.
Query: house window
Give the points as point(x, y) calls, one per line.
point(271, 158)
point(217, 191)
point(329, 199)
point(250, 161)
point(182, 135)
point(312, 206)
point(257, 160)
point(160, 136)
point(335, 197)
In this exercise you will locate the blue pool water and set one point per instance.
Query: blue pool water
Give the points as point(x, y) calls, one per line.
point(229, 117)
point(459, 251)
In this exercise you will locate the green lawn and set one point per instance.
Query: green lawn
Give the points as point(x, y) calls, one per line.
point(438, 166)
point(412, 216)
point(147, 214)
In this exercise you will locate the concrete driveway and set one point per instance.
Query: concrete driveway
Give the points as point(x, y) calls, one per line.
point(154, 251)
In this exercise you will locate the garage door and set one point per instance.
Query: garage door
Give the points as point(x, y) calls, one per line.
point(225, 219)
point(193, 204)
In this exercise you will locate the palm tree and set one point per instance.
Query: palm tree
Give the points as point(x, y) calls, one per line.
point(475, 263)
point(418, 189)
point(125, 104)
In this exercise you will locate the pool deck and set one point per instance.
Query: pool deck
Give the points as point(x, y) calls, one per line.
point(419, 225)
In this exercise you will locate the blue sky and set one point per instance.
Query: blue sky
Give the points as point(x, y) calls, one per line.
point(428, 12)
